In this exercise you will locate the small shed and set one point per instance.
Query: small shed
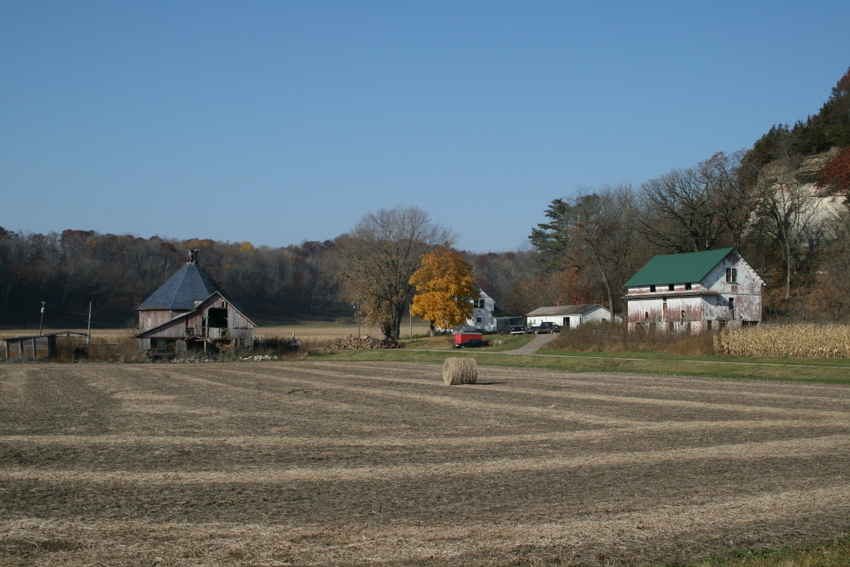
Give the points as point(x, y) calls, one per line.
point(35, 346)
point(31, 347)
point(568, 316)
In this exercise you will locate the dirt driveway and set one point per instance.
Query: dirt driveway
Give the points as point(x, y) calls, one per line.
point(535, 344)
point(317, 463)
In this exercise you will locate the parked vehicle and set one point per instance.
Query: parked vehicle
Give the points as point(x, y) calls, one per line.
point(504, 324)
point(546, 327)
point(519, 330)
point(472, 343)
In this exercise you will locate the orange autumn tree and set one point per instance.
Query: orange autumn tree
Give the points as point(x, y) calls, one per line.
point(443, 289)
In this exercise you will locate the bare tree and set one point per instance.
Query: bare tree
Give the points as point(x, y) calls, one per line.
point(786, 212)
point(696, 209)
point(378, 257)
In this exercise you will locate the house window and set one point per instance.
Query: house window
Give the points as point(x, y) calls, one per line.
point(731, 275)
point(670, 287)
point(478, 319)
point(731, 303)
point(688, 286)
point(652, 289)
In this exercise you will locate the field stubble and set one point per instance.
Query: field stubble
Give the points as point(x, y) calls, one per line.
point(321, 463)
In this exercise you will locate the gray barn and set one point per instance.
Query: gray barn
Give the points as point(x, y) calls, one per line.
point(189, 314)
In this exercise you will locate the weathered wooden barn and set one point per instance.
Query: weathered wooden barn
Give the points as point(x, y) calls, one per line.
point(188, 314)
point(695, 292)
point(568, 316)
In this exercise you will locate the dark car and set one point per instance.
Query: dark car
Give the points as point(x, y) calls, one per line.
point(468, 343)
point(546, 327)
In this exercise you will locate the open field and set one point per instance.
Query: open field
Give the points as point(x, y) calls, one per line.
point(325, 463)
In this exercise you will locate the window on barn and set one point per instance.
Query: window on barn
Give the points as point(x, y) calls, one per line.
point(731, 275)
point(217, 317)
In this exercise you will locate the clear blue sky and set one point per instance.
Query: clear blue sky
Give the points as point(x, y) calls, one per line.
point(281, 121)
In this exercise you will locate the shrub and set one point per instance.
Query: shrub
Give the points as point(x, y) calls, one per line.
point(112, 349)
point(616, 337)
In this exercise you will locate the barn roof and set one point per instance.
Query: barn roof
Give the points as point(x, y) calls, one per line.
point(678, 268)
point(180, 292)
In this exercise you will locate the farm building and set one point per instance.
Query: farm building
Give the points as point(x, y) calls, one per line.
point(37, 346)
point(568, 316)
point(189, 314)
point(695, 292)
point(482, 318)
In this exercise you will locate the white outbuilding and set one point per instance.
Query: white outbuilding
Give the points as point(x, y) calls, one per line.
point(568, 316)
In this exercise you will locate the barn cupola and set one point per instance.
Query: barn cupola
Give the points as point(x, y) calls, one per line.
point(192, 256)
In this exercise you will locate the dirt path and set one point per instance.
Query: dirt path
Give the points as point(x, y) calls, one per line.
point(317, 463)
point(535, 344)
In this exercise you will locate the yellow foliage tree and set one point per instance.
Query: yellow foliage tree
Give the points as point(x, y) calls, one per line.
point(443, 288)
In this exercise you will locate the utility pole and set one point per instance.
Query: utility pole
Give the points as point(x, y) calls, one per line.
point(41, 322)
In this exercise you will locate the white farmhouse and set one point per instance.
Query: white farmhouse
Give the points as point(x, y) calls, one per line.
point(568, 316)
point(482, 318)
point(695, 292)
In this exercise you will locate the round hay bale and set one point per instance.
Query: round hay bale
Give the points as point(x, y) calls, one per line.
point(460, 371)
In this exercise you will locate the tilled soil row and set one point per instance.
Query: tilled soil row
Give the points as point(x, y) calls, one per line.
point(316, 463)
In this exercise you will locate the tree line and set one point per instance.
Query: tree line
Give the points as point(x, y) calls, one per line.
point(783, 203)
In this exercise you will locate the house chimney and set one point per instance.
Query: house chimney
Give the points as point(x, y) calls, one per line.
point(192, 256)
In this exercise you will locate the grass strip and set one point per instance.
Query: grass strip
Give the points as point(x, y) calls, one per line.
point(833, 553)
point(827, 372)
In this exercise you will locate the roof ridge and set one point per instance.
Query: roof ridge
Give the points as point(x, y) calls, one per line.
point(686, 267)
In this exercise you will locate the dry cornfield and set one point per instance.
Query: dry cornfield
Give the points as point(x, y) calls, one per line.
point(798, 340)
point(323, 463)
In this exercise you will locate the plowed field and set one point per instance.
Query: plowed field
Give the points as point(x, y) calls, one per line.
point(318, 463)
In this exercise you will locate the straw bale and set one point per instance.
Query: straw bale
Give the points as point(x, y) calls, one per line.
point(460, 371)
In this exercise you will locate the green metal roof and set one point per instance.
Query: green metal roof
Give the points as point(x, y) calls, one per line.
point(678, 268)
